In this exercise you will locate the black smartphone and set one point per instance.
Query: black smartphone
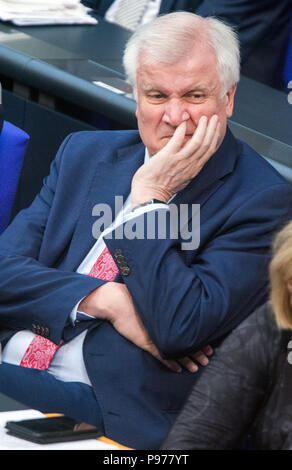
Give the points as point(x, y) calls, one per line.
point(54, 429)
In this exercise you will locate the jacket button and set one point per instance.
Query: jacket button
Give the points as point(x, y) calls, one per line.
point(119, 260)
point(126, 271)
point(123, 264)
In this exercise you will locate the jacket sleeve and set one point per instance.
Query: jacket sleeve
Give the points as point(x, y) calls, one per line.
point(187, 300)
point(30, 292)
point(226, 398)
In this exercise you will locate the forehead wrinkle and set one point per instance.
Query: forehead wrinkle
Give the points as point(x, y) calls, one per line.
point(164, 78)
point(155, 86)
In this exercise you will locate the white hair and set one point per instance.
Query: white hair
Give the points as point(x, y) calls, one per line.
point(170, 37)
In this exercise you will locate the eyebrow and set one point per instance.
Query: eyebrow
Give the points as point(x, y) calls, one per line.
point(150, 88)
point(201, 89)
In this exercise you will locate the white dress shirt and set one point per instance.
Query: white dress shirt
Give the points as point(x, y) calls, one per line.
point(151, 11)
point(68, 363)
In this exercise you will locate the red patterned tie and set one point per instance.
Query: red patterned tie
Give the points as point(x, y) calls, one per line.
point(105, 267)
point(40, 352)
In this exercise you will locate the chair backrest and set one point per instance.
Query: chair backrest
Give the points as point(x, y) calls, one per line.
point(13, 145)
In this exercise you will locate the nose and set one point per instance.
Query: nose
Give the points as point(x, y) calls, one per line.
point(175, 112)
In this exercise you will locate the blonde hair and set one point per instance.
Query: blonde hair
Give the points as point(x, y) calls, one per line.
point(280, 273)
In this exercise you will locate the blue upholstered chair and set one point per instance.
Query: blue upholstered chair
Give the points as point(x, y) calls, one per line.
point(13, 144)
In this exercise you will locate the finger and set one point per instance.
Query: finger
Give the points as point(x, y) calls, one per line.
point(198, 137)
point(202, 141)
point(211, 141)
point(200, 357)
point(211, 127)
point(208, 350)
point(189, 364)
point(171, 364)
point(211, 130)
point(175, 143)
point(217, 137)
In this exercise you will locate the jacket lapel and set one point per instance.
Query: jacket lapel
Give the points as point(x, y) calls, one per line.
point(219, 165)
point(114, 179)
point(201, 188)
point(110, 179)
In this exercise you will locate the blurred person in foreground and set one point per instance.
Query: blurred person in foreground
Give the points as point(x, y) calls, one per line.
point(109, 324)
point(247, 387)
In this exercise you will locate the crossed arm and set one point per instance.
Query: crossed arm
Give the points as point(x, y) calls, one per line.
point(34, 292)
point(166, 173)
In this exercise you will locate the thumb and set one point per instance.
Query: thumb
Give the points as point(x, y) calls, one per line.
point(175, 143)
point(171, 364)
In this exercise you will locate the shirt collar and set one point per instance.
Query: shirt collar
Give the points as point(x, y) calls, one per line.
point(147, 156)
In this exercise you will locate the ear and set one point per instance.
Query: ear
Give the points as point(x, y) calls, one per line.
point(135, 96)
point(230, 100)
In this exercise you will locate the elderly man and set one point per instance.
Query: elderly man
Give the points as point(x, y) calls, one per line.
point(108, 323)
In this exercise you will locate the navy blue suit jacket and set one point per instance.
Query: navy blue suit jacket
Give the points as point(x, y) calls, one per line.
point(186, 298)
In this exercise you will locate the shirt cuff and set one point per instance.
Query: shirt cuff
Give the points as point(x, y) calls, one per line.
point(76, 315)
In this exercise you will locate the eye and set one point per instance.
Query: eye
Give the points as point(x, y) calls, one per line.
point(155, 96)
point(196, 96)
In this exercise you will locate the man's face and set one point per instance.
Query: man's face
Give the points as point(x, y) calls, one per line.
point(168, 94)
